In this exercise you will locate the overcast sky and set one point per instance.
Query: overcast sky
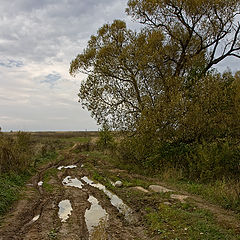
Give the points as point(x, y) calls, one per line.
point(38, 39)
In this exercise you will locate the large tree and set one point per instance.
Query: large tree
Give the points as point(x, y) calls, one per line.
point(129, 72)
point(192, 28)
point(122, 74)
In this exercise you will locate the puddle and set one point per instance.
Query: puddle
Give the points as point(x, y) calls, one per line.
point(95, 216)
point(72, 182)
point(40, 183)
point(36, 218)
point(115, 200)
point(65, 209)
point(70, 166)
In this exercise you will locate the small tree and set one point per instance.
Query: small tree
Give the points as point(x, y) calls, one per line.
point(105, 137)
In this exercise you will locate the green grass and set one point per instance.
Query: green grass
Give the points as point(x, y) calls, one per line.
point(50, 156)
point(11, 184)
point(223, 193)
point(10, 187)
point(52, 172)
point(184, 221)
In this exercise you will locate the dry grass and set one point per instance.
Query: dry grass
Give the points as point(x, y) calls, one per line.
point(15, 152)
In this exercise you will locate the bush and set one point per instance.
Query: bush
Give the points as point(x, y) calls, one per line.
point(215, 160)
point(202, 161)
point(15, 152)
point(105, 140)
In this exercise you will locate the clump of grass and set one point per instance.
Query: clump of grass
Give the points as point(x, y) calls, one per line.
point(15, 152)
point(99, 232)
point(17, 164)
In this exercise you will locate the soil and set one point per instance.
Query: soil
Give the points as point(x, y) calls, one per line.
point(39, 201)
point(35, 200)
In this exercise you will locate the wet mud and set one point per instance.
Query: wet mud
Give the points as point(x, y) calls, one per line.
point(74, 207)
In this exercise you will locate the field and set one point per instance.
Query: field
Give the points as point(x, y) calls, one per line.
point(60, 167)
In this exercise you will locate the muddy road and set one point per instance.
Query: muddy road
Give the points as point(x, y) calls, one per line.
point(62, 202)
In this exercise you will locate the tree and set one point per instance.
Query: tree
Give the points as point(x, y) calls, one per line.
point(193, 29)
point(132, 73)
point(121, 80)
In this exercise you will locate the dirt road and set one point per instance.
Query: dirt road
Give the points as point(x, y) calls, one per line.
point(61, 202)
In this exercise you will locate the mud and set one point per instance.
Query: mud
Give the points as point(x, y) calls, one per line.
point(69, 209)
point(91, 210)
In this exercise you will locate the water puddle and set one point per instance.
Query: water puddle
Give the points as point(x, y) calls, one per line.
point(70, 166)
point(72, 182)
point(96, 216)
point(115, 200)
point(36, 218)
point(40, 183)
point(65, 209)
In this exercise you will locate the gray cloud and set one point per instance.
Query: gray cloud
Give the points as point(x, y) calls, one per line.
point(38, 39)
point(10, 63)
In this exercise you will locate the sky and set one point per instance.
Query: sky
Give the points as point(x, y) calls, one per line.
point(38, 40)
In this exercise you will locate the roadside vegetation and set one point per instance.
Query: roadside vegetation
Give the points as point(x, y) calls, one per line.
point(20, 156)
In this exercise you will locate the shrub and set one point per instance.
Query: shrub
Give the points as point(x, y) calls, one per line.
point(15, 152)
point(105, 140)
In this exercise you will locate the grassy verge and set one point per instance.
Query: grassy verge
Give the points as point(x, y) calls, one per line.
point(184, 221)
point(223, 193)
point(10, 186)
point(12, 183)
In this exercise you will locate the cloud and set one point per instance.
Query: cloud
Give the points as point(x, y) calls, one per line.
point(38, 40)
point(10, 63)
point(52, 78)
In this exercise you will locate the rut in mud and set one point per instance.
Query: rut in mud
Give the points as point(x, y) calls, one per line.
point(74, 207)
point(63, 202)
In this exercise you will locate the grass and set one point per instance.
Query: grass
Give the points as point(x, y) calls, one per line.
point(76, 139)
point(184, 221)
point(10, 187)
point(48, 175)
point(50, 156)
point(225, 193)
point(12, 183)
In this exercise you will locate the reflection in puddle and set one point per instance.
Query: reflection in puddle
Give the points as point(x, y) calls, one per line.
point(35, 218)
point(65, 209)
point(70, 166)
point(95, 216)
point(115, 200)
point(72, 182)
